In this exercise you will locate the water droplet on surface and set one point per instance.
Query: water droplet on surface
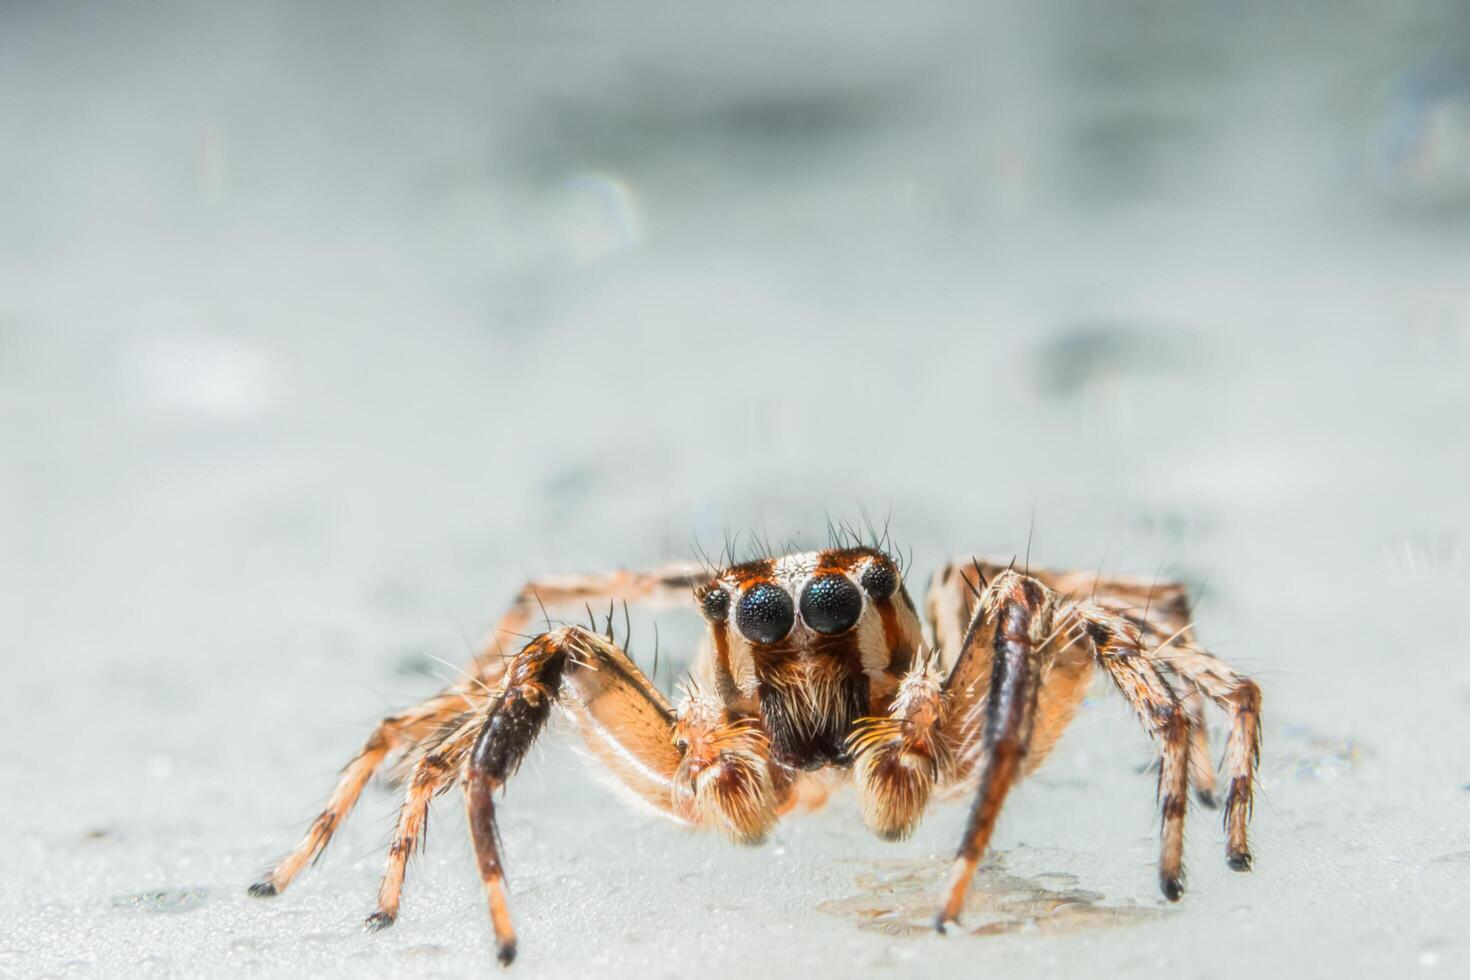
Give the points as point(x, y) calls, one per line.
point(898, 898)
point(166, 900)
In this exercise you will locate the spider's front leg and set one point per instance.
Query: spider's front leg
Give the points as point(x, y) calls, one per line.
point(699, 767)
point(1010, 638)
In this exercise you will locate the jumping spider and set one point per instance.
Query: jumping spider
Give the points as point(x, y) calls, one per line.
point(817, 661)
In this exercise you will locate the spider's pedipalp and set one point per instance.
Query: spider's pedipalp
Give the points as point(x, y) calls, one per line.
point(900, 757)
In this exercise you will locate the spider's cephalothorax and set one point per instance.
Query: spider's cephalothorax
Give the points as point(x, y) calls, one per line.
point(817, 661)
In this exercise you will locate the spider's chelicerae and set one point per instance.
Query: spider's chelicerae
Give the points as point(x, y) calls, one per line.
point(818, 661)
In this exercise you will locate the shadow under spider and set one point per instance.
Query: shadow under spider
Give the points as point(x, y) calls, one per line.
point(898, 898)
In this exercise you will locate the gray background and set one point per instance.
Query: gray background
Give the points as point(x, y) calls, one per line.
point(323, 326)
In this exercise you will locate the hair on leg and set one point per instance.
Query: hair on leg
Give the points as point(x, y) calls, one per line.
point(900, 757)
point(1120, 651)
point(697, 769)
point(1012, 623)
point(1240, 698)
point(390, 735)
point(433, 772)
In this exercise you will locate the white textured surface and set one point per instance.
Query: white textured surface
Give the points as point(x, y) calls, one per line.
point(321, 328)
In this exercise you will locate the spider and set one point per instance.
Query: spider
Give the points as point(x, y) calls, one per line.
point(816, 662)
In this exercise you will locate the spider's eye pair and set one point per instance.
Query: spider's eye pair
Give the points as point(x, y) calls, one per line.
point(830, 604)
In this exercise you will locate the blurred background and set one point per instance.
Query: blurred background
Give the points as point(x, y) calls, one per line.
point(323, 326)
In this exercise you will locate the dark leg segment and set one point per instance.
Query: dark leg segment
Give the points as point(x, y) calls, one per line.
point(1013, 621)
point(514, 721)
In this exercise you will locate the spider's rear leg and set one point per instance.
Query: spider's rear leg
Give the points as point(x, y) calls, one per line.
point(1240, 697)
point(1161, 612)
point(1122, 653)
point(433, 773)
point(661, 587)
point(669, 586)
point(703, 767)
point(1201, 764)
point(391, 734)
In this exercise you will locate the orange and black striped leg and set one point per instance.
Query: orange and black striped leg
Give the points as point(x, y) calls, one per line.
point(390, 735)
point(626, 723)
point(1119, 648)
point(432, 774)
point(1201, 762)
point(1240, 697)
point(1011, 625)
point(515, 718)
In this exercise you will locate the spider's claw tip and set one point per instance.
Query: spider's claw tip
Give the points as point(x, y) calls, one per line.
point(1207, 799)
point(505, 953)
point(941, 920)
point(378, 921)
point(1239, 862)
point(1172, 886)
point(263, 889)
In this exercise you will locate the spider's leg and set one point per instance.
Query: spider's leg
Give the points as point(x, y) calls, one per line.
point(668, 586)
point(433, 773)
point(1201, 765)
point(1240, 697)
point(1121, 652)
point(564, 594)
point(698, 767)
point(391, 734)
point(1161, 611)
point(1009, 632)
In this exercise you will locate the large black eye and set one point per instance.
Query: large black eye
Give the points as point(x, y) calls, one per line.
point(831, 604)
point(765, 614)
point(880, 579)
point(716, 604)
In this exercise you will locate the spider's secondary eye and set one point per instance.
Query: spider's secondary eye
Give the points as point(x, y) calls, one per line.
point(880, 579)
point(716, 605)
point(831, 604)
point(765, 614)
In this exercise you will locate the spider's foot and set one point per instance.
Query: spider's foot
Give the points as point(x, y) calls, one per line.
point(941, 921)
point(505, 953)
point(1207, 799)
point(1239, 861)
point(1172, 887)
point(263, 889)
point(379, 921)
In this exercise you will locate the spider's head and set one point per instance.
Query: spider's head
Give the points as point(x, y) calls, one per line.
point(809, 637)
point(846, 605)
